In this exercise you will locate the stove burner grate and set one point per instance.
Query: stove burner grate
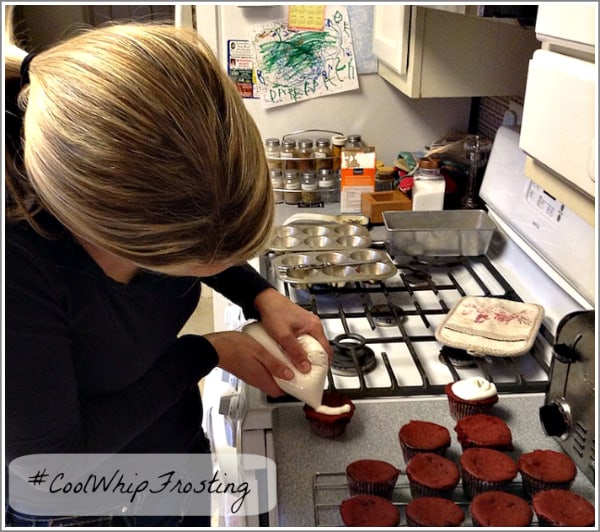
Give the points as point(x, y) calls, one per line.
point(457, 358)
point(385, 316)
point(351, 356)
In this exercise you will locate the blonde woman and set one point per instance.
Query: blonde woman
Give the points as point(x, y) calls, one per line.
point(133, 173)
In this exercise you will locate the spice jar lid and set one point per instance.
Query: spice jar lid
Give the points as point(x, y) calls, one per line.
point(338, 140)
point(272, 141)
point(429, 163)
point(305, 143)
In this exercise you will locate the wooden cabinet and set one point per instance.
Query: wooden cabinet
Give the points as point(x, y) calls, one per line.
point(429, 53)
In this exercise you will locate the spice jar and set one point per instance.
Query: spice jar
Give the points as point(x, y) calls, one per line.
point(429, 186)
point(291, 185)
point(272, 151)
point(323, 154)
point(353, 142)
point(384, 178)
point(337, 143)
point(305, 155)
point(288, 155)
point(276, 176)
point(326, 185)
point(308, 185)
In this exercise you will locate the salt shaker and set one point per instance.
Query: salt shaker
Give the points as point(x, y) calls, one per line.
point(429, 186)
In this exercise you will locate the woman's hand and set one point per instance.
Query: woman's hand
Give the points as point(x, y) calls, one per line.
point(243, 356)
point(285, 321)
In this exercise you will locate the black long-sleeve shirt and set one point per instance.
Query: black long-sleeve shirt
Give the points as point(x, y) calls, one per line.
point(93, 365)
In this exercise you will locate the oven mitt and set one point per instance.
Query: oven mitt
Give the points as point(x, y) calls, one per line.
point(307, 387)
point(491, 326)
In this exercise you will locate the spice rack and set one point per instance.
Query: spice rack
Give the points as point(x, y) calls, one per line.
point(305, 172)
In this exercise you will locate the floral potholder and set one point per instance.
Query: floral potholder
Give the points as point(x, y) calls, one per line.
point(491, 326)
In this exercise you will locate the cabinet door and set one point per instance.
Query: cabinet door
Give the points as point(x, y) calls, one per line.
point(450, 55)
point(559, 113)
point(390, 35)
point(570, 24)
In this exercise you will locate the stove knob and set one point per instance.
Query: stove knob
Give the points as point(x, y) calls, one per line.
point(555, 417)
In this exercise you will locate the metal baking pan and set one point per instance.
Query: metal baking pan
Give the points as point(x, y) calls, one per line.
point(334, 266)
point(448, 233)
point(314, 237)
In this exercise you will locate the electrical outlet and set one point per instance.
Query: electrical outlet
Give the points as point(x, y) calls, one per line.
point(517, 109)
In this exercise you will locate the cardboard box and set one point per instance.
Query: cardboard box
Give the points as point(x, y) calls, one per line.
point(357, 176)
point(374, 203)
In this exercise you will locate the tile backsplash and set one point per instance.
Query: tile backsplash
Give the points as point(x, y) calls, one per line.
point(490, 113)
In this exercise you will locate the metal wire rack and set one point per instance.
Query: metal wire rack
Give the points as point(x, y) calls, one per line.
point(330, 489)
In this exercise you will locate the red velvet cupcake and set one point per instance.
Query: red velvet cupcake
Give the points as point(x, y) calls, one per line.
point(372, 477)
point(369, 510)
point(423, 436)
point(484, 469)
point(544, 470)
point(484, 430)
point(327, 425)
point(563, 508)
point(434, 511)
point(500, 509)
point(474, 395)
point(432, 475)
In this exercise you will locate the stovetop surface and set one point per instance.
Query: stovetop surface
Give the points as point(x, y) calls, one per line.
point(387, 330)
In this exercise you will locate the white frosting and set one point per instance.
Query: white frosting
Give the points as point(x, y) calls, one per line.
point(333, 410)
point(307, 387)
point(474, 389)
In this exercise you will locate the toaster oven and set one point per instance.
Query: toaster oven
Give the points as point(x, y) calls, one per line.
point(568, 412)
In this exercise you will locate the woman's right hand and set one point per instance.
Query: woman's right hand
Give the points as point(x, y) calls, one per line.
point(244, 357)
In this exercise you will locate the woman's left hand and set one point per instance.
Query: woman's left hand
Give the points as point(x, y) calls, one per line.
point(284, 321)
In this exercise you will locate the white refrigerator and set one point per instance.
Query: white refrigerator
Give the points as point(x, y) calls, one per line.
point(383, 116)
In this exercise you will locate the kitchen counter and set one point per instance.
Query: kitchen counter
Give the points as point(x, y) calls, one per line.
point(373, 433)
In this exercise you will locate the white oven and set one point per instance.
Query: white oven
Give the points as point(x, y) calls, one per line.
point(533, 257)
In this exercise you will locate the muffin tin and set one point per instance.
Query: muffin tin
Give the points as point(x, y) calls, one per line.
point(314, 237)
point(334, 266)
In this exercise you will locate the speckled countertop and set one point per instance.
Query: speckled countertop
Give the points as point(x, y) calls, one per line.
point(373, 433)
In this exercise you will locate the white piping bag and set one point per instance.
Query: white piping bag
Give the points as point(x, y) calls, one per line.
point(307, 387)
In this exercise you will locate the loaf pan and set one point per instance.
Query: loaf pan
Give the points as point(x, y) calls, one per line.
point(447, 233)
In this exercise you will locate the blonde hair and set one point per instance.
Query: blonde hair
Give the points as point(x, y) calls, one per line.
point(136, 139)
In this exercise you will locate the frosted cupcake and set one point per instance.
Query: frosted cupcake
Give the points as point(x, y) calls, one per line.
point(331, 418)
point(474, 395)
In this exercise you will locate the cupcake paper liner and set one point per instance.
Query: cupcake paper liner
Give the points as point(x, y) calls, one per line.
point(460, 410)
point(531, 485)
point(419, 490)
point(410, 452)
point(473, 486)
point(328, 430)
point(381, 489)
